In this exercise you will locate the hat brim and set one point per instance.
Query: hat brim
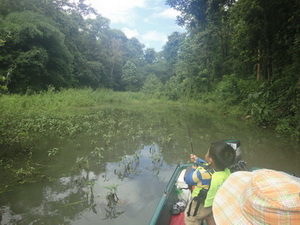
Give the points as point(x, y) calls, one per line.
point(227, 205)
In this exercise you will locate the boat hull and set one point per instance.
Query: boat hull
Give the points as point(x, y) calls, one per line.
point(163, 213)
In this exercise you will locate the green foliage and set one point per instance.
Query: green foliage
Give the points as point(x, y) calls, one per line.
point(98, 152)
point(289, 127)
point(159, 68)
point(134, 51)
point(152, 86)
point(25, 174)
point(192, 12)
point(236, 54)
point(228, 90)
point(53, 152)
point(113, 188)
point(108, 119)
point(60, 113)
point(242, 56)
point(36, 55)
point(2, 42)
point(150, 55)
point(172, 48)
point(173, 89)
point(51, 43)
point(3, 85)
point(130, 77)
point(82, 163)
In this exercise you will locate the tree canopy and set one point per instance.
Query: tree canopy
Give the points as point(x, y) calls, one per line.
point(51, 43)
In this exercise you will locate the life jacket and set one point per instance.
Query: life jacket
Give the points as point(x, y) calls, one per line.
point(206, 195)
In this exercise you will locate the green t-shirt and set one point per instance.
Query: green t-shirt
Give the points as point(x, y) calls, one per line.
point(206, 180)
point(217, 180)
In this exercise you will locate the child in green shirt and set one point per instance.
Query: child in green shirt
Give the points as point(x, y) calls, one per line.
point(207, 178)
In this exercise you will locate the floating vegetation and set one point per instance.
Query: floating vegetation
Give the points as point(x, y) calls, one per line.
point(42, 126)
point(157, 158)
point(93, 143)
point(166, 140)
point(28, 174)
point(53, 152)
point(82, 163)
point(128, 165)
point(97, 152)
point(112, 201)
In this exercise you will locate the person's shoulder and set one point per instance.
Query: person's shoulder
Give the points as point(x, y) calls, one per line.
point(205, 174)
point(202, 168)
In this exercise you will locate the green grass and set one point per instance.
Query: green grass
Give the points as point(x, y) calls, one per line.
point(66, 112)
point(74, 101)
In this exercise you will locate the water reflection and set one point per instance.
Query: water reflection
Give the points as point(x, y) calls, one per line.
point(157, 158)
point(112, 202)
point(129, 165)
point(86, 197)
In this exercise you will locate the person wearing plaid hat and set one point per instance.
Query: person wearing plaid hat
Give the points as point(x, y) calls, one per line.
point(260, 197)
point(207, 178)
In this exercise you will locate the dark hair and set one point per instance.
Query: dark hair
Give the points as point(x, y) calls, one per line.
point(222, 154)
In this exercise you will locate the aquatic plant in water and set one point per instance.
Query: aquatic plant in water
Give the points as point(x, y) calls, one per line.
point(53, 152)
point(127, 165)
point(112, 202)
point(157, 158)
point(82, 163)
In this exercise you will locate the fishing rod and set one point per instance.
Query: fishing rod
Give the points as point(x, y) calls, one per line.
point(187, 125)
point(186, 122)
point(186, 119)
point(190, 138)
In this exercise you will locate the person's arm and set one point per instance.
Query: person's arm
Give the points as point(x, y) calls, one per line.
point(195, 159)
point(189, 177)
point(200, 161)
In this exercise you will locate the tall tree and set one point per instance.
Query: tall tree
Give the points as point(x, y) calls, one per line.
point(130, 78)
point(172, 47)
point(134, 51)
point(193, 13)
point(152, 85)
point(113, 46)
point(204, 57)
point(35, 54)
point(264, 33)
point(150, 55)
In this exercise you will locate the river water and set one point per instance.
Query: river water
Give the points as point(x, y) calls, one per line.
point(114, 171)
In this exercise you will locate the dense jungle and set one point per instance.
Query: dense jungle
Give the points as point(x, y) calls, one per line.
point(71, 87)
point(240, 57)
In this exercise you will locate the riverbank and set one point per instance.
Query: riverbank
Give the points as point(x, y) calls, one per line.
point(57, 111)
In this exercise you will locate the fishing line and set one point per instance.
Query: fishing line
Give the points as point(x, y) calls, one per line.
point(190, 138)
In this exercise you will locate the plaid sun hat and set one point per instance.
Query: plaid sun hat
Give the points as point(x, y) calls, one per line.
point(259, 197)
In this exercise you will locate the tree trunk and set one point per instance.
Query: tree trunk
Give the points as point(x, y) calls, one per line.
point(269, 69)
point(259, 67)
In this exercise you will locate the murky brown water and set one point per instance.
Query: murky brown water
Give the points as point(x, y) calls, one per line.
point(116, 172)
